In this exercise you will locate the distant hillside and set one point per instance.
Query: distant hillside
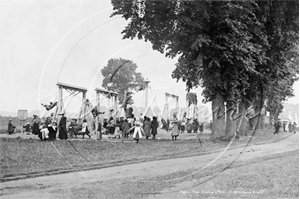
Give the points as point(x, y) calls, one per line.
point(15, 121)
point(8, 114)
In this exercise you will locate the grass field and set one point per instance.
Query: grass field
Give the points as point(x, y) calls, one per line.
point(30, 156)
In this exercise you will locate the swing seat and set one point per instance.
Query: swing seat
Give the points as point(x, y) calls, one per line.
point(87, 132)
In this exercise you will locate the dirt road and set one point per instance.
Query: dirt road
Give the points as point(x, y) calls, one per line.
point(48, 186)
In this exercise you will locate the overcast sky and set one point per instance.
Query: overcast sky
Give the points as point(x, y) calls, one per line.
point(50, 41)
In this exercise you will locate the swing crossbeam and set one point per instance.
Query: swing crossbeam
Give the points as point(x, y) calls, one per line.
point(105, 92)
point(71, 87)
point(73, 90)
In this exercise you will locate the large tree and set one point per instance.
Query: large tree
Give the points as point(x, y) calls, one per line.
point(222, 46)
point(212, 39)
point(120, 76)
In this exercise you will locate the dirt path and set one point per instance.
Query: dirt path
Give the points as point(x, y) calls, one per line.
point(45, 187)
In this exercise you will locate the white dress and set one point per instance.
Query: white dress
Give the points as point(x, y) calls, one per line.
point(84, 126)
point(137, 134)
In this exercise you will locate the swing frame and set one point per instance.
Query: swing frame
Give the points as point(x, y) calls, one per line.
point(74, 90)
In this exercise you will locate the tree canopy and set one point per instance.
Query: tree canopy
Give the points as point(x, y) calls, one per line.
point(120, 76)
point(238, 51)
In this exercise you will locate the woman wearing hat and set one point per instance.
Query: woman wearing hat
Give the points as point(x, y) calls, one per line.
point(62, 128)
point(35, 125)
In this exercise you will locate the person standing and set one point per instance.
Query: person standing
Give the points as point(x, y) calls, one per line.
point(138, 128)
point(195, 125)
point(35, 125)
point(201, 127)
point(154, 126)
point(284, 127)
point(290, 127)
point(147, 127)
point(175, 129)
point(62, 127)
point(125, 128)
point(277, 126)
point(11, 127)
point(294, 127)
point(188, 126)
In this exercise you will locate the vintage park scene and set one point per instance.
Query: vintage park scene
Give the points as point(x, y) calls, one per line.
point(149, 99)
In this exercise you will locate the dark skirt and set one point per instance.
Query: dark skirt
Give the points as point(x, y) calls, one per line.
point(62, 134)
point(35, 129)
point(52, 133)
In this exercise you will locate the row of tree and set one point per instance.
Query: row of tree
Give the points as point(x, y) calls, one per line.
point(240, 52)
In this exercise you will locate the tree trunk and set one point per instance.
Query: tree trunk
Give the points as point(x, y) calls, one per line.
point(218, 126)
point(271, 120)
point(230, 124)
point(243, 121)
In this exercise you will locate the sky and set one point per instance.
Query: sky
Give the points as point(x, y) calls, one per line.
point(50, 41)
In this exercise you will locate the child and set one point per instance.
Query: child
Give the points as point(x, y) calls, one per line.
point(175, 129)
point(85, 129)
point(117, 132)
point(125, 128)
point(138, 129)
point(44, 132)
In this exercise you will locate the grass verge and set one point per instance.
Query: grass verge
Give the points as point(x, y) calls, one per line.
point(29, 157)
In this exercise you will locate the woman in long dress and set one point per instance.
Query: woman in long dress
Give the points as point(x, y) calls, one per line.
point(154, 126)
point(63, 128)
point(35, 125)
point(175, 129)
point(125, 128)
point(147, 127)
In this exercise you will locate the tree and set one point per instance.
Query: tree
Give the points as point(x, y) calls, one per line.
point(281, 70)
point(120, 76)
point(191, 98)
point(223, 46)
point(213, 40)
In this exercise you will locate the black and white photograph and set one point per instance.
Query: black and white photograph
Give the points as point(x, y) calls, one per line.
point(149, 99)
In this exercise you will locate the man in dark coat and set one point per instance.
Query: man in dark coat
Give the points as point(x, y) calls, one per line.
point(277, 126)
point(62, 127)
point(154, 126)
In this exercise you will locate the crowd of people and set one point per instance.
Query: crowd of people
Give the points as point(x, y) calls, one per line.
point(47, 128)
point(292, 128)
point(188, 125)
point(123, 127)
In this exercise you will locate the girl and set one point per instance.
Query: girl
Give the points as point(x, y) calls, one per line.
point(138, 129)
point(175, 129)
point(85, 129)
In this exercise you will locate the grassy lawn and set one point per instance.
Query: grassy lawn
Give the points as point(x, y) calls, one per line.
point(30, 156)
point(274, 176)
